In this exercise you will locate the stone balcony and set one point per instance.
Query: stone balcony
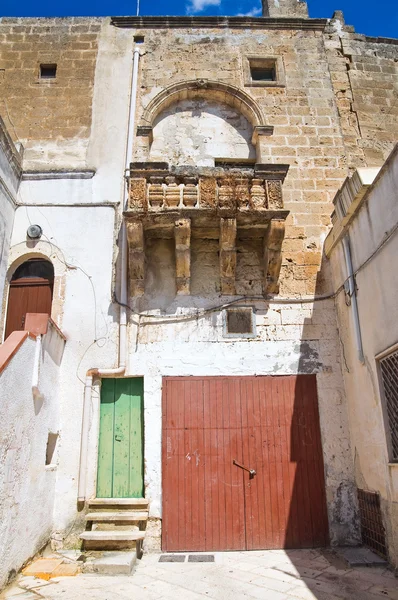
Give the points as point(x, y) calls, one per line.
point(206, 203)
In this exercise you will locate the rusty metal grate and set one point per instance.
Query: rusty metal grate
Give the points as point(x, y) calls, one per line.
point(373, 533)
point(172, 558)
point(389, 373)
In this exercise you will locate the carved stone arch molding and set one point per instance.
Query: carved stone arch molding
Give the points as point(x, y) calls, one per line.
point(19, 254)
point(215, 91)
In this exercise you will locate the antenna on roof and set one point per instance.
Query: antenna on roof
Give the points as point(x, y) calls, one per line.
point(138, 7)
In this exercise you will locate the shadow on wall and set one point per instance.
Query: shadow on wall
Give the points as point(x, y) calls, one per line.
point(321, 352)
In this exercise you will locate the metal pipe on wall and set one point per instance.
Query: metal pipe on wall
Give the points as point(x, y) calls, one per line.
point(353, 295)
point(122, 358)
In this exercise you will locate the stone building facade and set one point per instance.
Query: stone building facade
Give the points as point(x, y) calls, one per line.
point(213, 177)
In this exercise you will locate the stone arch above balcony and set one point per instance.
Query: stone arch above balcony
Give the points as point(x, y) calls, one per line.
point(211, 91)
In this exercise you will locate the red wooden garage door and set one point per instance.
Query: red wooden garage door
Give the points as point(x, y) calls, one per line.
point(214, 428)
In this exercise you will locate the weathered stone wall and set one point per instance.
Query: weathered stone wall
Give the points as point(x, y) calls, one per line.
point(364, 73)
point(285, 8)
point(51, 117)
point(306, 135)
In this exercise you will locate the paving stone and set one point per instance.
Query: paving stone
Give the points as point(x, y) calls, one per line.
point(42, 567)
point(225, 579)
point(357, 557)
point(112, 563)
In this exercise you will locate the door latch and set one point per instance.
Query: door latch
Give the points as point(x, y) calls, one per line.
point(252, 472)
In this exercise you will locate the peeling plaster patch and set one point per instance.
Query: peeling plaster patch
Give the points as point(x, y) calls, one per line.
point(345, 514)
point(195, 132)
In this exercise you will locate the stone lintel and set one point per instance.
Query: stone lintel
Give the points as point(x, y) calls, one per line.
point(271, 172)
point(182, 236)
point(273, 240)
point(261, 131)
point(145, 131)
point(228, 256)
point(136, 244)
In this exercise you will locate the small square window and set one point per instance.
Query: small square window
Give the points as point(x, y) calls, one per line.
point(48, 71)
point(264, 71)
point(262, 74)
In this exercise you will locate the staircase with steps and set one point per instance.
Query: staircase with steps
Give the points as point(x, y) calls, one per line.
point(115, 524)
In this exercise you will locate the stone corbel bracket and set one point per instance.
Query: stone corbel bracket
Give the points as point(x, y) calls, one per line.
point(273, 240)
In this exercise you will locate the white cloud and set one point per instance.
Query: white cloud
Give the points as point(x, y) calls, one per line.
point(195, 6)
point(254, 12)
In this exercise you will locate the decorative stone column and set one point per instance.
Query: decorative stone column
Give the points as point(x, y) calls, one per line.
point(228, 256)
point(135, 238)
point(182, 236)
point(190, 192)
point(173, 192)
point(273, 255)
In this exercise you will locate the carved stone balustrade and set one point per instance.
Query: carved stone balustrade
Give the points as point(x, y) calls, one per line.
point(205, 202)
point(153, 187)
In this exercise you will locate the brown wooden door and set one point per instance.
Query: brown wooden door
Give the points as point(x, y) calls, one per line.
point(269, 424)
point(27, 295)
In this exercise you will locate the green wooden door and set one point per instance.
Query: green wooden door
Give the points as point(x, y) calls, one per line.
point(120, 453)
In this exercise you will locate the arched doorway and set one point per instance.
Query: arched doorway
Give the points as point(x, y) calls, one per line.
point(31, 291)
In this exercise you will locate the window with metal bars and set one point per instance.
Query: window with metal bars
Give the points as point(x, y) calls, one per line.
point(389, 378)
point(373, 533)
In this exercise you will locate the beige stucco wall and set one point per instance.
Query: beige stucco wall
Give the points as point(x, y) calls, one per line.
point(377, 286)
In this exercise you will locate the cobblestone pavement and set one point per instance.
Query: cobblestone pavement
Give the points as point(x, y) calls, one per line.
point(267, 575)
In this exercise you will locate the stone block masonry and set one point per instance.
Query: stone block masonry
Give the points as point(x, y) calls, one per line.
point(50, 116)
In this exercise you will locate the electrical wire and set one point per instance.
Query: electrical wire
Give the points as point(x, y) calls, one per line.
point(269, 300)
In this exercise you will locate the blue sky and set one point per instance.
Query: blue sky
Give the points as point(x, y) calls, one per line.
point(378, 18)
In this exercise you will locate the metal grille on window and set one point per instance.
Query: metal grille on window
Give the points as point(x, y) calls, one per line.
point(373, 533)
point(389, 372)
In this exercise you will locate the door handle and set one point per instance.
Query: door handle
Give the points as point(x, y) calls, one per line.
point(118, 438)
point(252, 472)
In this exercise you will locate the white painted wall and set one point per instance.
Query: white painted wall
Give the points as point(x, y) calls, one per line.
point(9, 182)
point(378, 314)
point(80, 242)
point(195, 132)
point(27, 484)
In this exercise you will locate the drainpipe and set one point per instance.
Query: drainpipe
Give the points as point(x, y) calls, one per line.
point(353, 296)
point(36, 370)
point(120, 370)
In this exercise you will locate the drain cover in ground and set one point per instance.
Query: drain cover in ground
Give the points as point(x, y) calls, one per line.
point(357, 557)
point(201, 558)
point(172, 558)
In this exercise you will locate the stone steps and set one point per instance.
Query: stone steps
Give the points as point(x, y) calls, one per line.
point(114, 535)
point(115, 524)
point(114, 502)
point(123, 515)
